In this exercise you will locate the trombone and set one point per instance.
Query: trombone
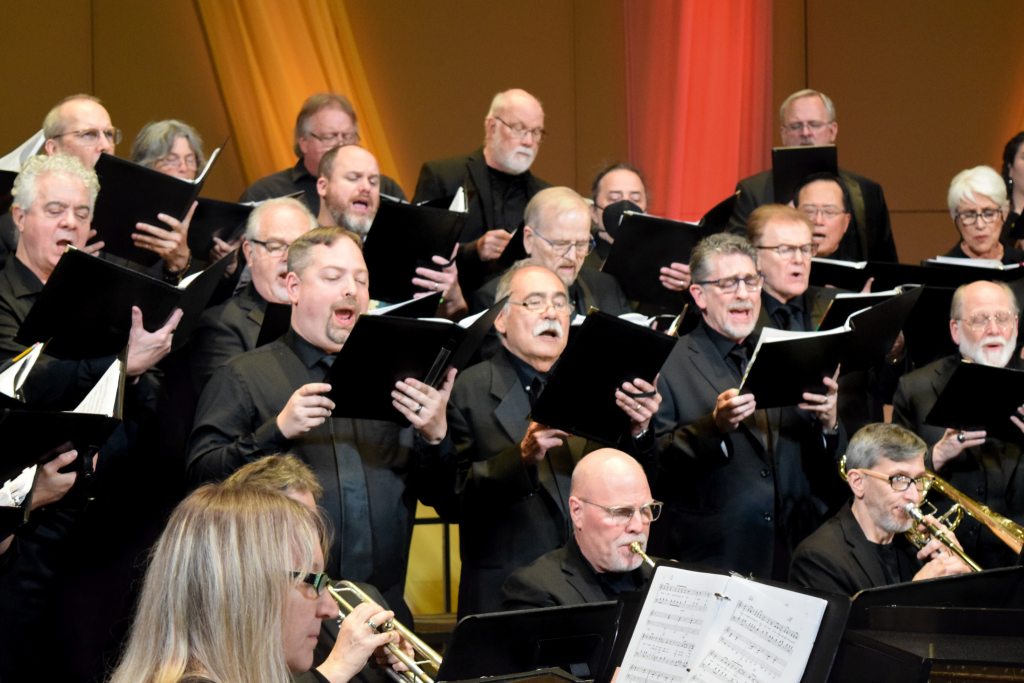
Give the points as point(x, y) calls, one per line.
point(638, 549)
point(415, 673)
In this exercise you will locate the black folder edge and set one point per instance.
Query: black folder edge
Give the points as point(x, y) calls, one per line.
point(98, 427)
point(6, 185)
point(621, 262)
point(277, 318)
point(826, 642)
point(514, 251)
point(717, 218)
point(937, 416)
point(785, 183)
point(895, 313)
point(764, 403)
point(475, 334)
point(196, 296)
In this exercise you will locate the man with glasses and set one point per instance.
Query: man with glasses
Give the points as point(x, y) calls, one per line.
point(825, 200)
point(498, 179)
point(232, 328)
point(511, 491)
point(807, 118)
point(983, 324)
point(863, 546)
point(610, 506)
point(739, 483)
point(325, 121)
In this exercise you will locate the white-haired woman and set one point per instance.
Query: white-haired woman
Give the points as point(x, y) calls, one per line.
point(234, 593)
point(977, 202)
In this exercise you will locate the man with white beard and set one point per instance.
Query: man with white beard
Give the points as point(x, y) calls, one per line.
point(497, 179)
point(511, 493)
point(742, 486)
point(983, 324)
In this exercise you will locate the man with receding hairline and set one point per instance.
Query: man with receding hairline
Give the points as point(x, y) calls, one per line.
point(611, 507)
point(498, 179)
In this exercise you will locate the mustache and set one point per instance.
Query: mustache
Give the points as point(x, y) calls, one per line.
point(546, 325)
point(742, 306)
point(525, 151)
point(346, 302)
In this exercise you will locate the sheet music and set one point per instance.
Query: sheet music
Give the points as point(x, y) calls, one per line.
point(459, 202)
point(676, 618)
point(102, 398)
point(13, 377)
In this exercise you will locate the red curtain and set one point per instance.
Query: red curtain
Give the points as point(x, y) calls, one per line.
point(699, 88)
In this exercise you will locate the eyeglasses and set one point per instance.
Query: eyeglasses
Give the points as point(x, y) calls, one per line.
point(538, 305)
point(828, 212)
point(798, 126)
point(971, 217)
point(788, 251)
point(980, 321)
point(621, 514)
point(563, 248)
point(728, 285)
point(901, 482)
point(91, 136)
point(520, 131)
point(174, 161)
point(332, 140)
point(318, 581)
point(273, 247)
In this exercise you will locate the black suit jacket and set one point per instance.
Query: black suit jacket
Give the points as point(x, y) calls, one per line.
point(508, 514)
point(746, 507)
point(839, 558)
point(869, 237)
point(226, 331)
point(915, 397)
point(443, 178)
point(561, 577)
point(298, 179)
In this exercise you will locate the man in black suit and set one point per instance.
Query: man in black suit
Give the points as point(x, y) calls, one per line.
point(511, 499)
point(808, 117)
point(611, 507)
point(271, 400)
point(498, 179)
point(739, 483)
point(863, 546)
point(325, 121)
point(983, 324)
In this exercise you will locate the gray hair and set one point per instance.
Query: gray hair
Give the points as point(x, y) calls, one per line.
point(156, 138)
point(800, 94)
point(252, 225)
point(559, 199)
point(956, 309)
point(314, 104)
point(714, 246)
point(62, 165)
point(505, 282)
point(53, 124)
point(882, 440)
point(981, 179)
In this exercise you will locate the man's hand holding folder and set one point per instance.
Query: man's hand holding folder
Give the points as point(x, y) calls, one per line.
point(146, 349)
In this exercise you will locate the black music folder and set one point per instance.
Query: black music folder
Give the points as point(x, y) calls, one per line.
point(790, 165)
point(404, 237)
point(846, 304)
point(605, 352)
point(6, 185)
point(787, 364)
point(981, 397)
point(85, 308)
point(130, 194)
point(214, 218)
point(515, 250)
point(853, 274)
point(276, 321)
point(876, 329)
point(382, 350)
point(35, 437)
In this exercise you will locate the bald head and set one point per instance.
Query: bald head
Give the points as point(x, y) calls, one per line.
point(512, 131)
point(604, 479)
point(349, 188)
point(556, 218)
point(80, 126)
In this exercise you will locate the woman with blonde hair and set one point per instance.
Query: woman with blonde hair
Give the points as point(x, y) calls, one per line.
point(235, 594)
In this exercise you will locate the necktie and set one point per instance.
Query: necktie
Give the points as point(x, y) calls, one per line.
point(739, 357)
point(534, 390)
point(790, 318)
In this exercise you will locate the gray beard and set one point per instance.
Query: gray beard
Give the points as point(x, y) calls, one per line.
point(360, 225)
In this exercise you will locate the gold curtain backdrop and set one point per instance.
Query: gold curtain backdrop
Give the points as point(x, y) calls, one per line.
point(269, 56)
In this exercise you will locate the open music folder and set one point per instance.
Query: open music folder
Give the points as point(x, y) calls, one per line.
point(790, 165)
point(981, 397)
point(786, 364)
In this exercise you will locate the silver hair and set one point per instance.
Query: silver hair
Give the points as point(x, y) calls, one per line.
point(63, 165)
point(956, 309)
point(156, 138)
point(882, 440)
point(800, 94)
point(315, 104)
point(982, 180)
point(53, 123)
point(505, 283)
point(559, 199)
point(252, 226)
point(713, 246)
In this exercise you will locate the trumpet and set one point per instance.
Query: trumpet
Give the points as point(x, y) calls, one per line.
point(415, 673)
point(941, 534)
point(636, 548)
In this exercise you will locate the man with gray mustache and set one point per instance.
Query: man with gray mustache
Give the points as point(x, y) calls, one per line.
point(983, 324)
point(511, 495)
point(740, 484)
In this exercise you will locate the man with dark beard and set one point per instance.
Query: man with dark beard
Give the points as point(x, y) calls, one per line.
point(983, 324)
point(863, 545)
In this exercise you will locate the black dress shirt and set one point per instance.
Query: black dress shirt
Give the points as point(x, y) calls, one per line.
point(731, 351)
point(786, 316)
point(510, 194)
point(299, 179)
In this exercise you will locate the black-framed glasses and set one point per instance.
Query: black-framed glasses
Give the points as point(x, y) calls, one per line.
point(901, 482)
point(1004, 320)
point(350, 138)
point(538, 305)
point(319, 582)
point(621, 514)
point(971, 217)
point(798, 126)
point(520, 131)
point(91, 136)
point(752, 283)
point(563, 248)
point(788, 251)
point(273, 247)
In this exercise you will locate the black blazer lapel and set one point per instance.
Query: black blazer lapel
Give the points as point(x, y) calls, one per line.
point(860, 547)
point(581, 581)
point(476, 168)
point(513, 403)
point(817, 300)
